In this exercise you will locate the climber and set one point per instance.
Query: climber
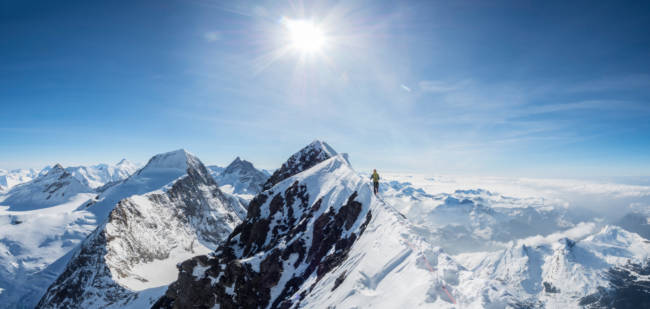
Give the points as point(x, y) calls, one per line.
point(375, 181)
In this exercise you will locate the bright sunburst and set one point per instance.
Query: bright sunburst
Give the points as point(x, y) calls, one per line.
point(304, 36)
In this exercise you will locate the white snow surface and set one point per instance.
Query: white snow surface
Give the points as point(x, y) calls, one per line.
point(383, 259)
point(99, 175)
point(55, 187)
point(9, 179)
point(30, 241)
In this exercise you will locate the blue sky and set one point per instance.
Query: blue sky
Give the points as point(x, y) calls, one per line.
point(523, 88)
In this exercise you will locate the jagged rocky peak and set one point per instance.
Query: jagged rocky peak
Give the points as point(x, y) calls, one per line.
point(241, 178)
point(145, 236)
point(307, 157)
point(239, 165)
point(56, 170)
point(294, 234)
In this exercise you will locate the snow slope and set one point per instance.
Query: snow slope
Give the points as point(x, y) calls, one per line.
point(30, 241)
point(38, 225)
point(9, 179)
point(160, 171)
point(101, 174)
point(242, 179)
point(134, 254)
point(55, 187)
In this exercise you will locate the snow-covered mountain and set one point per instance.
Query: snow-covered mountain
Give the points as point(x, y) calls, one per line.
point(38, 242)
point(215, 170)
point(9, 179)
point(160, 171)
point(316, 238)
point(38, 225)
point(52, 188)
point(99, 175)
point(132, 256)
point(320, 238)
point(241, 178)
point(552, 272)
point(475, 220)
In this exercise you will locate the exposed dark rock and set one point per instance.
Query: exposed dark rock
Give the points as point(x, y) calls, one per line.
point(189, 211)
point(339, 280)
point(304, 159)
point(230, 279)
point(628, 288)
point(242, 176)
point(549, 288)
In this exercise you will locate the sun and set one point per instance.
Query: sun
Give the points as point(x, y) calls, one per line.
point(304, 36)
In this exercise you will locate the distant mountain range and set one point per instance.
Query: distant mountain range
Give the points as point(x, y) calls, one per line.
point(175, 233)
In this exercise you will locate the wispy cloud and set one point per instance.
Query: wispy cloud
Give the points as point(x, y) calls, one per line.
point(405, 88)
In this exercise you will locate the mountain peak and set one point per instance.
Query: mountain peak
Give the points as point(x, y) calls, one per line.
point(56, 171)
point(242, 176)
point(239, 165)
point(312, 154)
point(177, 159)
point(323, 146)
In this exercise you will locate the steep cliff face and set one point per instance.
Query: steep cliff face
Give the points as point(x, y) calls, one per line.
point(135, 251)
point(304, 159)
point(316, 239)
point(160, 171)
point(293, 232)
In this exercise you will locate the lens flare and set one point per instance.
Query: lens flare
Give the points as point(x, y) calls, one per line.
point(304, 36)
